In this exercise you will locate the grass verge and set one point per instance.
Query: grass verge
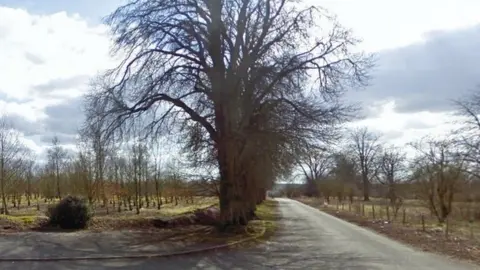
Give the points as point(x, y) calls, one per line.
point(258, 230)
point(19, 223)
point(267, 212)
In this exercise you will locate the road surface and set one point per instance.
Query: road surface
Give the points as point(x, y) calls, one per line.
point(307, 239)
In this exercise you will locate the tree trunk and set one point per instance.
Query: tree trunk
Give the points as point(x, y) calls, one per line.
point(29, 192)
point(57, 176)
point(158, 194)
point(129, 200)
point(262, 196)
point(234, 209)
point(2, 187)
point(146, 194)
point(366, 189)
point(119, 198)
point(4, 204)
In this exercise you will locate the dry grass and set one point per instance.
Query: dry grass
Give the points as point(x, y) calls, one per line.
point(19, 223)
point(268, 213)
point(261, 229)
point(167, 209)
point(414, 213)
point(28, 217)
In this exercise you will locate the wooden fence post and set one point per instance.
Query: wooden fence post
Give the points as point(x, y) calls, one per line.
point(363, 209)
point(423, 222)
point(447, 227)
point(388, 213)
point(404, 217)
point(470, 225)
point(373, 211)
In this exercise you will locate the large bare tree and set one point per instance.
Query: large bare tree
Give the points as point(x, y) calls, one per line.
point(247, 80)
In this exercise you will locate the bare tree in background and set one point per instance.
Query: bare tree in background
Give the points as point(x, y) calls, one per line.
point(157, 171)
point(439, 174)
point(84, 167)
point(138, 159)
point(93, 134)
point(392, 172)
point(365, 148)
point(28, 169)
point(245, 79)
point(467, 137)
point(467, 140)
point(315, 167)
point(56, 159)
point(343, 175)
point(11, 158)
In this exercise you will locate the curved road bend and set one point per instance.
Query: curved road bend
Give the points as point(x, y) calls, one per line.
point(307, 239)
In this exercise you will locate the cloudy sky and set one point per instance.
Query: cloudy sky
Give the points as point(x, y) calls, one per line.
point(427, 54)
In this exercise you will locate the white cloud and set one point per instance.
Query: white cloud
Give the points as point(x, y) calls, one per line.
point(401, 128)
point(47, 60)
point(394, 23)
point(42, 48)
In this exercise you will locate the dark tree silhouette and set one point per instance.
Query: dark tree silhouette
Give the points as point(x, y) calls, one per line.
point(315, 167)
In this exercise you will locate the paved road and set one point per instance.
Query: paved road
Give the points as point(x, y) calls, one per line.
point(307, 239)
